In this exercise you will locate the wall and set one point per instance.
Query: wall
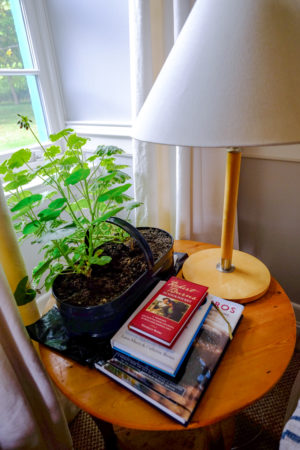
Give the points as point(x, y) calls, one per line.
point(269, 218)
point(91, 41)
point(269, 198)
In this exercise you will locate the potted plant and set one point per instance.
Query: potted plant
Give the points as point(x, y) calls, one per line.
point(74, 221)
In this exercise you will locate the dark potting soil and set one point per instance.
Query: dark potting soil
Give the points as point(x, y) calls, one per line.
point(110, 281)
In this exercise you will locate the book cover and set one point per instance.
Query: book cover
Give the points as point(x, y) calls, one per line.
point(168, 311)
point(163, 358)
point(178, 398)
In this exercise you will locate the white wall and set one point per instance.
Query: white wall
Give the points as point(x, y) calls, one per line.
point(269, 218)
point(91, 40)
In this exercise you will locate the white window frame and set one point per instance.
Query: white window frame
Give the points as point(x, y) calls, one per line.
point(45, 69)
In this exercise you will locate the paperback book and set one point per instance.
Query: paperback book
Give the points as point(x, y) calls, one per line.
point(179, 397)
point(165, 315)
point(167, 360)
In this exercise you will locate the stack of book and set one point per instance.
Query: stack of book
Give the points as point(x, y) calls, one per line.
point(166, 352)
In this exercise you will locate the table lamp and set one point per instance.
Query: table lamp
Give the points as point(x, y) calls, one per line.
point(231, 80)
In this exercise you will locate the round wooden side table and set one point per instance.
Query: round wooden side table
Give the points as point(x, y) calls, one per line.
point(253, 363)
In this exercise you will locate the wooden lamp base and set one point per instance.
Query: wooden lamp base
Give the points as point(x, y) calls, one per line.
point(247, 282)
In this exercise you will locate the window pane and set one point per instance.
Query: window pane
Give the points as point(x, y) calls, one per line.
point(19, 95)
point(92, 46)
point(14, 49)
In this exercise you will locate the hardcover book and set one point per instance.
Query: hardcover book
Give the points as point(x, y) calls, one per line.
point(178, 398)
point(164, 316)
point(162, 358)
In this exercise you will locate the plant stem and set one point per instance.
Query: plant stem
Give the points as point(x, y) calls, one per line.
point(65, 255)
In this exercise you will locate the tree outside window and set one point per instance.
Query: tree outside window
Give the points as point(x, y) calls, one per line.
point(19, 93)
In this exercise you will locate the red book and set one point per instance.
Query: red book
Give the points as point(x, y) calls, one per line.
point(168, 311)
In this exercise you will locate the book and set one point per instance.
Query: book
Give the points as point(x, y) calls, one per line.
point(179, 397)
point(165, 315)
point(165, 359)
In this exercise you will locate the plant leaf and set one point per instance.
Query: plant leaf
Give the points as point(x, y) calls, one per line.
point(112, 193)
point(82, 203)
point(3, 168)
point(77, 175)
point(69, 160)
point(100, 261)
point(49, 195)
point(62, 133)
point(24, 294)
point(20, 181)
point(121, 166)
point(58, 234)
point(122, 198)
point(31, 227)
point(49, 280)
point(130, 206)
point(106, 178)
point(18, 227)
point(52, 151)
point(92, 158)
point(108, 150)
point(27, 201)
point(21, 213)
point(57, 203)
point(107, 215)
point(19, 158)
point(14, 199)
point(120, 176)
point(49, 214)
point(38, 270)
point(76, 142)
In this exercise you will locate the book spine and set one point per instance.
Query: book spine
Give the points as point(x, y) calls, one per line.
point(166, 405)
point(180, 397)
point(193, 339)
point(150, 354)
point(162, 368)
point(147, 376)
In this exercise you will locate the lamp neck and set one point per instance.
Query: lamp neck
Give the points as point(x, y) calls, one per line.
point(233, 165)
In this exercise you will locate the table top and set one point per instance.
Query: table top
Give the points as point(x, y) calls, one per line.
point(252, 364)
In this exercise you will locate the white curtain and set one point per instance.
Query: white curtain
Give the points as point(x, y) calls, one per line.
point(181, 188)
point(30, 414)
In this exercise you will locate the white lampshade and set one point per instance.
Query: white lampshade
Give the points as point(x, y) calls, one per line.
point(232, 78)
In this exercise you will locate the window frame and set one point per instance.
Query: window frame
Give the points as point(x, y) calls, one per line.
point(44, 69)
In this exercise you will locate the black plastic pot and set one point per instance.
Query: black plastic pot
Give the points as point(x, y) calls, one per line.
point(102, 321)
point(166, 262)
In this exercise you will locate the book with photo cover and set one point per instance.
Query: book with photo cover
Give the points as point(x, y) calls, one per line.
point(167, 360)
point(168, 311)
point(179, 397)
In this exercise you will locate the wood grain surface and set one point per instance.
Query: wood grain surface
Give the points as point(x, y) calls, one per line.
point(253, 363)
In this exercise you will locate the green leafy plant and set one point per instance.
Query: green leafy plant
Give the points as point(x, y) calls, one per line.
point(23, 293)
point(68, 218)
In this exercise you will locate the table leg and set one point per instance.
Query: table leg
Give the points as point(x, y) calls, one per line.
point(107, 431)
point(220, 435)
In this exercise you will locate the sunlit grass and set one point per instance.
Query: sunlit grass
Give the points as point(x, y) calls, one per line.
point(11, 136)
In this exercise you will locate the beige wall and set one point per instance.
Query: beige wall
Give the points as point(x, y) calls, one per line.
point(269, 218)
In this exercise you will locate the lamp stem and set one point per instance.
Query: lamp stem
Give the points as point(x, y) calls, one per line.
point(233, 165)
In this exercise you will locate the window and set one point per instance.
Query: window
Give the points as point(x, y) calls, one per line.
point(27, 74)
point(19, 91)
point(91, 41)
